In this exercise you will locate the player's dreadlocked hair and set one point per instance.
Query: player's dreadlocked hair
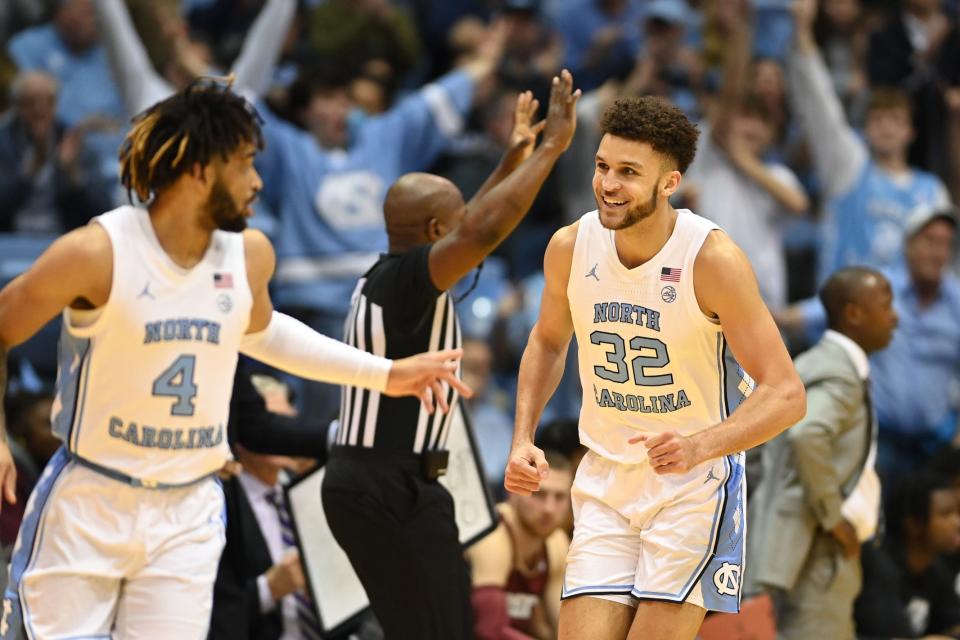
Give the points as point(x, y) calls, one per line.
point(188, 128)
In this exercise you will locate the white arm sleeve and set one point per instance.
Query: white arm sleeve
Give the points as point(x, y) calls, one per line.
point(261, 48)
point(139, 83)
point(292, 346)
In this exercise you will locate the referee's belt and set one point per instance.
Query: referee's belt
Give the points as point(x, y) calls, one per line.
point(143, 483)
point(429, 464)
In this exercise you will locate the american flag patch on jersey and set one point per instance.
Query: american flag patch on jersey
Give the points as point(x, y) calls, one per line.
point(669, 274)
point(223, 280)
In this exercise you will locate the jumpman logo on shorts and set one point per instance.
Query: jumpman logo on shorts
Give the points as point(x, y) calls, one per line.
point(593, 272)
point(146, 292)
point(710, 476)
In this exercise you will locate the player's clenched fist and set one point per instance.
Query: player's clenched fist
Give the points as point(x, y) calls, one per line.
point(526, 467)
point(669, 452)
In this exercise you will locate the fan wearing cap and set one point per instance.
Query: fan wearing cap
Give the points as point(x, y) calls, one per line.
point(917, 378)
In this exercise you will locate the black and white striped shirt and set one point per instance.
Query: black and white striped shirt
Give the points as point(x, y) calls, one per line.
point(396, 311)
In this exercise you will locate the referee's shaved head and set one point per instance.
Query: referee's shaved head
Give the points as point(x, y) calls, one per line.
point(419, 208)
point(846, 286)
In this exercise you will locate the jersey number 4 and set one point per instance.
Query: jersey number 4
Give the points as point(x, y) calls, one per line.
point(618, 358)
point(177, 381)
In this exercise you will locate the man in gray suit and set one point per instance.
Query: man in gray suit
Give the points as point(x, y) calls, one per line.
point(807, 527)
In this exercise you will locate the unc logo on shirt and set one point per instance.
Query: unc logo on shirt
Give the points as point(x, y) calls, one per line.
point(726, 579)
point(668, 294)
point(351, 200)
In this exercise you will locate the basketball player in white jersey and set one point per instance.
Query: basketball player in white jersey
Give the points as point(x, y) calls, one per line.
point(123, 532)
point(655, 297)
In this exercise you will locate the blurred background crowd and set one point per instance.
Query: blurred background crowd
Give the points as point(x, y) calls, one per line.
point(830, 136)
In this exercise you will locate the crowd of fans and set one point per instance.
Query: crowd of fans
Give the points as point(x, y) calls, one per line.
point(824, 127)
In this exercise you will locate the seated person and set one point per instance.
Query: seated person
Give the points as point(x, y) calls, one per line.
point(518, 568)
point(908, 589)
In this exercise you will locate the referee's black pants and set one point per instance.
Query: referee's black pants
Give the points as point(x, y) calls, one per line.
point(399, 531)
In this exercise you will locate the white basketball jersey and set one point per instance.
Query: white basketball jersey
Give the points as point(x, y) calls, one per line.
point(650, 360)
point(144, 389)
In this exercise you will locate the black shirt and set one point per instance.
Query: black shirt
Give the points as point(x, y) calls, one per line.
point(896, 603)
point(396, 311)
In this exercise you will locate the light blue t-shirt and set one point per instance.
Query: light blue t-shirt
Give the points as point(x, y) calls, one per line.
point(330, 202)
point(917, 377)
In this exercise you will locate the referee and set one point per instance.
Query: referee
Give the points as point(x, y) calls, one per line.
point(380, 492)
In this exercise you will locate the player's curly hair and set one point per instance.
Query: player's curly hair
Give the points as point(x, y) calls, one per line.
point(190, 127)
point(656, 122)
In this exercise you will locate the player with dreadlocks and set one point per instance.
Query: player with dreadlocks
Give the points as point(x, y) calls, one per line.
point(123, 532)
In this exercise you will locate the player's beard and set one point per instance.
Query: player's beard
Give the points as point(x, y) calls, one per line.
point(637, 213)
point(227, 216)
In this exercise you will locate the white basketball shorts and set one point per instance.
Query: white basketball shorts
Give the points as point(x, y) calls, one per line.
point(99, 558)
point(674, 537)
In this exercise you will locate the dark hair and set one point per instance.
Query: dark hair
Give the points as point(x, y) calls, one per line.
point(910, 500)
point(190, 127)
point(317, 77)
point(558, 461)
point(561, 435)
point(842, 288)
point(887, 98)
point(654, 121)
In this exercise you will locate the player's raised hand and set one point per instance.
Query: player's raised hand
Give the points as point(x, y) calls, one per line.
point(804, 14)
point(561, 120)
point(8, 470)
point(425, 376)
point(669, 452)
point(525, 131)
point(526, 467)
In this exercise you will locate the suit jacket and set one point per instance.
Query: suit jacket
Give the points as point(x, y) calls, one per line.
point(808, 469)
point(236, 602)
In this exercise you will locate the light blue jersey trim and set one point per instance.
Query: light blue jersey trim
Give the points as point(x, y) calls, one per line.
point(74, 358)
point(29, 541)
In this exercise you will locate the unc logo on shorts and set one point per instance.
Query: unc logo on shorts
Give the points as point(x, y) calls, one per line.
point(727, 579)
point(668, 294)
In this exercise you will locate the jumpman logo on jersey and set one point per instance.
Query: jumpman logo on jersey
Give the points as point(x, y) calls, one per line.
point(710, 476)
point(146, 292)
point(593, 272)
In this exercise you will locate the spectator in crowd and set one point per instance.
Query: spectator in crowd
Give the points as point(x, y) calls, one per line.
point(667, 65)
point(327, 185)
point(748, 197)
point(533, 51)
point(817, 473)
point(141, 85)
point(916, 380)
point(904, 53)
point(50, 179)
point(841, 32)
point(517, 570)
point(868, 187)
point(563, 436)
point(68, 48)
point(601, 38)
point(908, 591)
point(260, 591)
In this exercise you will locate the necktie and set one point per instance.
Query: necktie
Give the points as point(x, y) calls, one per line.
point(306, 613)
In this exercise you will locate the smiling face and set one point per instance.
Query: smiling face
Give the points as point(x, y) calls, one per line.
point(631, 181)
